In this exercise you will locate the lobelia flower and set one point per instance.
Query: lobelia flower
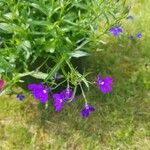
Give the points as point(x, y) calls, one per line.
point(20, 96)
point(139, 35)
point(39, 91)
point(130, 17)
point(86, 110)
point(1, 84)
point(104, 83)
point(58, 101)
point(116, 30)
point(67, 93)
point(61, 98)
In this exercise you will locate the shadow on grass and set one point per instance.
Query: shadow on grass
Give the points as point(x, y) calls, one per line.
point(121, 118)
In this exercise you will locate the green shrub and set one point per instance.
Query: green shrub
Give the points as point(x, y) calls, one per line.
point(52, 33)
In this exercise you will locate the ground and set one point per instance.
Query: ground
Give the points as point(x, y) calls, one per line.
point(122, 118)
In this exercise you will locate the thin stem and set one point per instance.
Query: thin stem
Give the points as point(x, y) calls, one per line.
point(43, 63)
point(74, 92)
point(83, 94)
point(58, 84)
point(68, 80)
point(55, 68)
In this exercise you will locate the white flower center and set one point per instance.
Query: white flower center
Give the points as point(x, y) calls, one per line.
point(102, 83)
point(44, 91)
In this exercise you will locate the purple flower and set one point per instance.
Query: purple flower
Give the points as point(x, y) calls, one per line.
point(130, 17)
point(39, 91)
point(20, 96)
point(104, 83)
point(116, 30)
point(139, 35)
point(67, 93)
point(58, 101)
point(1, 84)
point(61, 98)
point(86, 110)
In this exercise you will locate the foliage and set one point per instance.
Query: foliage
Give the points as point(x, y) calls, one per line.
point(122, 117)
point(52, 33)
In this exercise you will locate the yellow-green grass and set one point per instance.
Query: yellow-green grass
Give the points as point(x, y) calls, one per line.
point(122, 118)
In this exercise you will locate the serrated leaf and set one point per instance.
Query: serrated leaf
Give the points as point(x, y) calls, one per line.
point(5, 65)
point(26, 46)
point(8, 16)
point(7, 27)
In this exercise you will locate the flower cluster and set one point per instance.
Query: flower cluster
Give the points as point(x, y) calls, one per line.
point(39, 91)
point(87, 109)
point(138, 35)
point(61, 97)
point(52, 48)
point(116, 30)
point(104, 83)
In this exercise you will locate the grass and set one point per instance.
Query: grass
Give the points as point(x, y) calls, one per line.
point(122, 118)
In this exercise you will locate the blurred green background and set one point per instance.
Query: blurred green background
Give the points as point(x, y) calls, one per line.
point(122, 118)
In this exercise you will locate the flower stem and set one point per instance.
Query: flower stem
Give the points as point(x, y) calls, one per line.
point(56, 68)
point(83, 94)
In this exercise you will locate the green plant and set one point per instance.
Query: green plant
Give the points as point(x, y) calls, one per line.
point(52, 33)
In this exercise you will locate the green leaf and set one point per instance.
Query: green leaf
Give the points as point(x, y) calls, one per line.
point(7, 27)
point(80, 5)
point(39, 75)
point(26, 46)
point(82, 45)
point(70, 22)
point(5, 66)
point(35, 74)
point(8, 16)
point(39, 7)
point(78, 54)
point(38, 22)
point(83, 79)
point(55, 68)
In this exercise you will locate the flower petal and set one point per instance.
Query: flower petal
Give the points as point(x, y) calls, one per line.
point(35, 86)
point(43, 97)
point(91, 108)
point(1, 84)
point(105, 88)
point(85, 112)
point(108, 79)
